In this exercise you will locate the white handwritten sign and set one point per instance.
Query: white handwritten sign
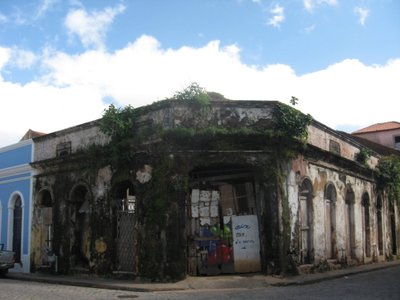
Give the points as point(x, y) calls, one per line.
point(246, 243)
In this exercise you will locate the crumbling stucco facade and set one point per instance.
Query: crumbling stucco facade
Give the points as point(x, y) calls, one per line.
point(206, 203)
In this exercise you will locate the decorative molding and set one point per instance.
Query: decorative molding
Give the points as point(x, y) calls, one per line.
point(16, 145)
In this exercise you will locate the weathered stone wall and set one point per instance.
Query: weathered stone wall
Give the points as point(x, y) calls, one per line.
point(159, 173)
point(231, 114)
point(321, 175)
point(320, 136)
point(61, 185)
point(81, 137)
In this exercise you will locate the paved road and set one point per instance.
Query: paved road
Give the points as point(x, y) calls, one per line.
point(381, 284)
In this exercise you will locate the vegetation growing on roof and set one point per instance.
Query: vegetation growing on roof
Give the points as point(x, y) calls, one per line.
point(290, 122)
point(285, 139)
point(389, 176)
point(363, 155)
point(195, 95)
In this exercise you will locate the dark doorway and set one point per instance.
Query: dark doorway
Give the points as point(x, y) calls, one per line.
point(45, 227)
point(379, 221)
point(17, 229)
point(223, 221)
point(79, 218)
point(330, 220)
point(124, 207)
point(392, 220)
point(351, 235)
point(367, 229)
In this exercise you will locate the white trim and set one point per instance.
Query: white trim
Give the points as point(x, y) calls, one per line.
point(16, 179)
point(27, 266)
point(10, 233)
point(1, 219)
point(16, 145)
point(6, 172)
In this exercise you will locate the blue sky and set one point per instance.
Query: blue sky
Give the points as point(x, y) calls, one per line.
point(63, 62)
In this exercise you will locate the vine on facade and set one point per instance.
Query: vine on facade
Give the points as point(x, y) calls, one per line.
point(389, 176)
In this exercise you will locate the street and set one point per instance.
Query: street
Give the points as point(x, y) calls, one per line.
point(381, 284)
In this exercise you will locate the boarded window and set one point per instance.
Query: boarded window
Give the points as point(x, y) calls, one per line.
point(334, 147)
point(63, 149)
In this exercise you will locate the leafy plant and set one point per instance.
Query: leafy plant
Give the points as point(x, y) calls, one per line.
point(118, 122)
point(195, 94)
point(363, 155)
point(290, 122)
point(389, 175)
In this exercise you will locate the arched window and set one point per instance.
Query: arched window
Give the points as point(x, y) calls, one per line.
point(16, 225)
point(350, 222)
point(367, 229)
point(306, 221)
point(379, 224)
point(330, 220)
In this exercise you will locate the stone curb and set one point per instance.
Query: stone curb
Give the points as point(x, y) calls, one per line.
point(180, 286)
point(335, 274)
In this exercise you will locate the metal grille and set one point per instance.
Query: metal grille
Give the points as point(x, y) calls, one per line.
point(126, 242)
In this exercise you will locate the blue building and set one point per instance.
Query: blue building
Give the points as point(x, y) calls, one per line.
point(16, 177)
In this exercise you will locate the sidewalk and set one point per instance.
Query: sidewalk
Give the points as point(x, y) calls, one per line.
point(210, 282)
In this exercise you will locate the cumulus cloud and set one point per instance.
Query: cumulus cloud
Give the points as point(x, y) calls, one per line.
point(144, 71)
point(278, 15)
point(44, 108)
point(362, 14)
point(309, 5)
point(73, 90)
point(91, 27)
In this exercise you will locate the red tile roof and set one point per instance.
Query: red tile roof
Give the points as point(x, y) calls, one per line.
point(31, 134)
point(379, 127)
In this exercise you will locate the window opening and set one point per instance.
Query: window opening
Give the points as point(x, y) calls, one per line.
point(367, 229)
point(306, 222)
point(351, 238)
point(334, 147)
point(330, 219)
point(397, 142)
point(63, 149)
point(379, 221)
point(17, 229)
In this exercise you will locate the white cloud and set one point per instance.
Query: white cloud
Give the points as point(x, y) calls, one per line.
point(44, 6)
point(311, 4)
point(17, 57)
point(5, 55)
point(3, 18)
point(44, 108)
point(278, 15)
point(309, 29)
point(362, 14)
point(23, 59)
point(348, 92)
point(91, 27)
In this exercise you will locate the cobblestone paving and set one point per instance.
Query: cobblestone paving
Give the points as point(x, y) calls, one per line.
point(382, 284)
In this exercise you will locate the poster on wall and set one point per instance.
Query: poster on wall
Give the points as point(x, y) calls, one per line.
point(246, 244)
